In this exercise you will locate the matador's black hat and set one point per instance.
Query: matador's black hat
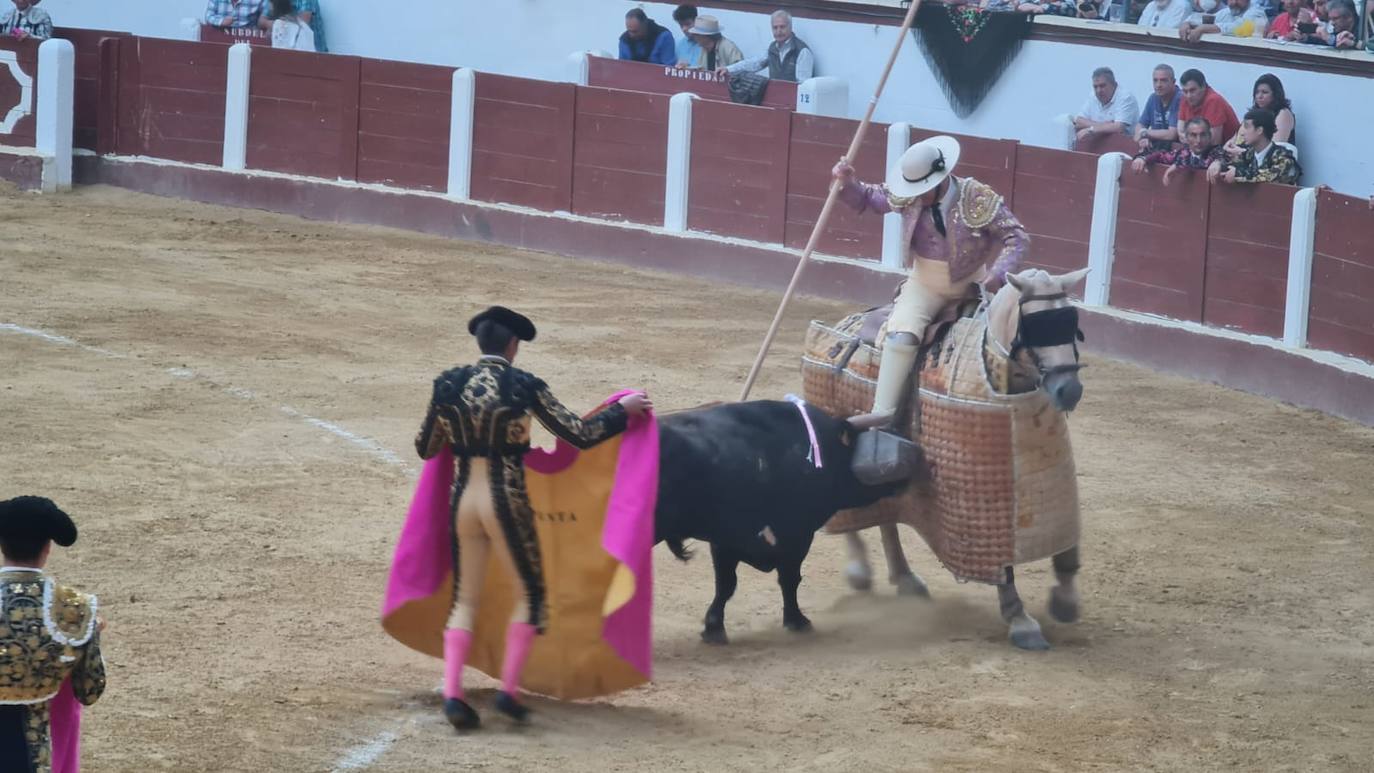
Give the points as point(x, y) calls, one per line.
point(518, 324)
point(36, 518)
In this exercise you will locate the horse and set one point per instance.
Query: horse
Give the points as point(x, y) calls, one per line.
point(1008, 371)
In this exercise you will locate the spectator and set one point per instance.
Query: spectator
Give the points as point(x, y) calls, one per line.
point(645, 41)
point(1240, 18)
point(25, 21)
point(1340, 30)
point(717, 51)
point(1286, 23)
point(1108, 110)
point(289, 30)
point(233, 13)
point(788, 59)
point(1269, 95)
point(1264, 160)
point(687, 49)
point(1200, 100)
point(1089, 9)
point(1158, 125)
point(1199, 153)
point(1164, 14)
point(1049, 7)
point(305, 11)
point(1369, 43)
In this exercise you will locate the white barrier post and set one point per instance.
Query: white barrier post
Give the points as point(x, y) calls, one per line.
point(236, 107)
point(461, 117)
point(1301, 243)
point(675, 193)
point(894, 251)
point(823, 96)
point(1102, 236)
point(56, 99)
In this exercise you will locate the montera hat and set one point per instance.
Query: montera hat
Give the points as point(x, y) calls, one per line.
point(923, 166)
point(517, 323)
point(36, 518)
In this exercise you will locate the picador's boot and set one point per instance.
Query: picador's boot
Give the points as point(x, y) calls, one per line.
point(459, 714)
point(519, 640)
point(880, 455)
point(894, 369)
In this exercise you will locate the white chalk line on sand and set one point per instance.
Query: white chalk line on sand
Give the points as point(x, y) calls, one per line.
point(372, 447)
point(363, 755)
point(358, 757)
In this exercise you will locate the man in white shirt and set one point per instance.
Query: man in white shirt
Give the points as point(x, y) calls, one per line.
point(1164, 14)
point(1227, 20)
point(788, 58)
point(1108, 110)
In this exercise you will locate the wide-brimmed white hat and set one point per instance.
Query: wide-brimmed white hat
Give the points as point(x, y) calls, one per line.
point(705, 25)
point(923, 166)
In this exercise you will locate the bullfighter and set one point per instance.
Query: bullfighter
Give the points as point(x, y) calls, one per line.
point(482, 413)
point(959, 232)
point(49, 643)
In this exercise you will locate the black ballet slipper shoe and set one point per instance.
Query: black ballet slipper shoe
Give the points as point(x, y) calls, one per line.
point(508, 705)
point(461, 715)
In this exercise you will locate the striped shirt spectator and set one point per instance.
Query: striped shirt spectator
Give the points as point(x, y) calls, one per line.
point(233, 13)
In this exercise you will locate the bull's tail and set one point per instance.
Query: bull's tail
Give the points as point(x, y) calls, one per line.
point(679, 550)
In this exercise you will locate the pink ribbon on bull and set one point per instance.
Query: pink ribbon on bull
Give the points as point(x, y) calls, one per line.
point(815, 456)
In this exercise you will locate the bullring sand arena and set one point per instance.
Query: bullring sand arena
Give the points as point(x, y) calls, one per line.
point(226, 400)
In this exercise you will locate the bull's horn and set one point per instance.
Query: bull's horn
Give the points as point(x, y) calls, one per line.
point(867, 421)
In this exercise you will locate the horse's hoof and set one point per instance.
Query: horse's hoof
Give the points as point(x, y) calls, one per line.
point(1030, 640)
point(911, 585)
point(860, 577)
point(1063, 608)
point(799, 625)
point(715, 636)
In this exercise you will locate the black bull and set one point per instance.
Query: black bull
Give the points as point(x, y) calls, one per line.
point(741, 477)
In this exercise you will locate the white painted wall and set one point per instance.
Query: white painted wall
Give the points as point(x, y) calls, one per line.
point(533, 38)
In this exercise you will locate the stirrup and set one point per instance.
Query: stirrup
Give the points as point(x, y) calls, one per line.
point(882, 457)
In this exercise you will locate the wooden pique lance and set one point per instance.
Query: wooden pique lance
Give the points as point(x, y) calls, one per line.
point(829, 203)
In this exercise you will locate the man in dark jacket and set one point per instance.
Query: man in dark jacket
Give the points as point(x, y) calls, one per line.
point(645, 41)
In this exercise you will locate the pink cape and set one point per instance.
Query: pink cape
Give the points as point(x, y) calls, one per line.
point(423, 562)
point(64, 714)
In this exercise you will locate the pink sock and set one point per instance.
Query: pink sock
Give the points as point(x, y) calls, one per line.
point(519, 639)
point(456, 643)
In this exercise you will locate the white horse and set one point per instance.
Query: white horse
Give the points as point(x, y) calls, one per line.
point(1043, 358)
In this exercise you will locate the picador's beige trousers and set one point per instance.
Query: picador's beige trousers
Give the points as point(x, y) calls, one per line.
point(479, 537)
point(922, 297)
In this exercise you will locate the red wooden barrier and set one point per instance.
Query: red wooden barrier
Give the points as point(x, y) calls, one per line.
point(522, 142)
point(657, 79)
point(817, 143)
point(1248, 228)
point(303, 114)
point(1161, 244)
point(990, 161)
point(90, 81)
point(20, 116)
point(1099, 144)
point(1054, 199)
point(738, 182)
point(403, 124)
point(171, 100)
point(1342, 312)
point(620, 155)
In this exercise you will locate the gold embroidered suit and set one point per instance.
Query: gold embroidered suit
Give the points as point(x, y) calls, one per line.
point(47, 635)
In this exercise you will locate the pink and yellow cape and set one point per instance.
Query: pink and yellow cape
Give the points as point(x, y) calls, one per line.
point(594, 511)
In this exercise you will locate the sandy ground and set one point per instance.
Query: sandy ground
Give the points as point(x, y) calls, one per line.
point(239, 547)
